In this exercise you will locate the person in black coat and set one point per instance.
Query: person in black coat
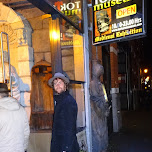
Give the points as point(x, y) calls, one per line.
point(65, 115)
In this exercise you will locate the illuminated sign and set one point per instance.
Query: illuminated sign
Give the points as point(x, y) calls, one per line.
point(126, 11)
point(115, 20)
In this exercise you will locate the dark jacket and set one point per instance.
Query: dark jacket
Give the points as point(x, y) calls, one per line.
point(64, 124)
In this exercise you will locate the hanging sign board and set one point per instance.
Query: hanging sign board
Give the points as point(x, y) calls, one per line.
point(115, 20)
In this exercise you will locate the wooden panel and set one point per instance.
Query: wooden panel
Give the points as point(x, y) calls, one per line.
point(42, 104)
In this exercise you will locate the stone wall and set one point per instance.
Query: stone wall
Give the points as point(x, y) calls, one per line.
point(29, 42)
point(19, 32)
point(40, 35)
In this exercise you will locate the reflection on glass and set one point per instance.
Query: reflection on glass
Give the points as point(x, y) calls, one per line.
point(73, 64)
point(71, 9)
point(54, 30)
point(72, 51)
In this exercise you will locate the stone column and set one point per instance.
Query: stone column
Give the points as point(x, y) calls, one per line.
point(115, 88)
point(25, 64)
point(116, 111)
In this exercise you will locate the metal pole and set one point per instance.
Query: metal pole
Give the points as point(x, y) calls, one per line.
point(127, 81)
point(3, 64)
point(9, 65)
point(86, 85)
point(2, 58)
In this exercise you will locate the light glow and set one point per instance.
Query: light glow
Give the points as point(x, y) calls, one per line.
point(147, 78)
point(145, 70)
point(54, 35)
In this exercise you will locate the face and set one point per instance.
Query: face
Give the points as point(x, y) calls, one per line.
point(59, 85)
point(103, 25)
point(103, 21)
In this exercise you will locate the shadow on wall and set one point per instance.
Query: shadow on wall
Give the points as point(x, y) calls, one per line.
point(20, 90)
point(24, 93)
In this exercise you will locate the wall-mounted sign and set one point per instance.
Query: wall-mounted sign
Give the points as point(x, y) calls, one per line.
point(115, 20)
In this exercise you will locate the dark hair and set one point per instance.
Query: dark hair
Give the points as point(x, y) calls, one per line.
point(4, 94)
point(4, 90)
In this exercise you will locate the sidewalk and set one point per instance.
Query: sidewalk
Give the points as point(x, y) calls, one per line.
point(135, 135)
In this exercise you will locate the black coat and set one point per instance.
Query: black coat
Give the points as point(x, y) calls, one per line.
point(64, 124)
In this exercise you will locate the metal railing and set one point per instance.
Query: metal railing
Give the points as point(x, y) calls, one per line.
point(3, 62)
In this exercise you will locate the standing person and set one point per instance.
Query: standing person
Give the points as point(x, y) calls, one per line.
point(65, 115)
point(14, 126)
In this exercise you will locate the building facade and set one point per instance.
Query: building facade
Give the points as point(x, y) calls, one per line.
point(41, 44)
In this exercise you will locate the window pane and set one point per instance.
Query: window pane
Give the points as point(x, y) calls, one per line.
point(71, 9)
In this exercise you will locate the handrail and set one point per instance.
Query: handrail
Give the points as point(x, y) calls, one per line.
point(2, 59)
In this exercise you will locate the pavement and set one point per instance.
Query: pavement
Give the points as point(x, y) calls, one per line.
point(135, 134)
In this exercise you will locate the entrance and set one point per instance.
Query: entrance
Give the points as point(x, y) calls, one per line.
point(107, 83)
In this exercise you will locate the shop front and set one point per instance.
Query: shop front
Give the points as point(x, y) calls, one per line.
point(42, 43)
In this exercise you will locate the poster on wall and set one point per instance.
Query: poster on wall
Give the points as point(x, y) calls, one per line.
point(117, 20)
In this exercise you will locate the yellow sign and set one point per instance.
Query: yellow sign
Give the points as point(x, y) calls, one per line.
point(117, 20)
point(126, 11)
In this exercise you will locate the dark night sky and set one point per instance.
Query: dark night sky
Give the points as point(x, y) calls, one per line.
point(148, 38)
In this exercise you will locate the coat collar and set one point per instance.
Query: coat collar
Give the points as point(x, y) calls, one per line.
point(59, 98)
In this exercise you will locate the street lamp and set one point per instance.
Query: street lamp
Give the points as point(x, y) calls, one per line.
point(145, 70)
